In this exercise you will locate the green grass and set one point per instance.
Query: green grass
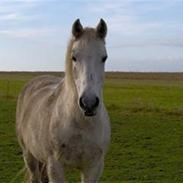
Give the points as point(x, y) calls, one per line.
point(146, 112)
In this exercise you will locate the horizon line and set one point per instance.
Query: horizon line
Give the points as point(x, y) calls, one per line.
point(107, 71)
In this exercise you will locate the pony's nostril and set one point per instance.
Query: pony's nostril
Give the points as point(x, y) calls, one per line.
point(81, 103)
point(96, 102)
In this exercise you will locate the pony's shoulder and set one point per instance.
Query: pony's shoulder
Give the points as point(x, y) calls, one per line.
point(39, 84)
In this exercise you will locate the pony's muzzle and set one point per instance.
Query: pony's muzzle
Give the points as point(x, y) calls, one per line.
point(89, 105)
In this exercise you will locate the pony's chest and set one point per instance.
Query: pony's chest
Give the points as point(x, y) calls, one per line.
point(78, 150)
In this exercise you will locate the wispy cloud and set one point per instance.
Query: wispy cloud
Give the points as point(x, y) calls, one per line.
point(16, 17)
point(128, 16)
point(173, 42)
point(9, 17)
point(30, 32)
point(128, 25)
point(121, 17)
point(16, 11)
point(11, 6)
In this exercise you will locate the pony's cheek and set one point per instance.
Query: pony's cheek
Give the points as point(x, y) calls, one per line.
point(75, 73)
point(78, 86)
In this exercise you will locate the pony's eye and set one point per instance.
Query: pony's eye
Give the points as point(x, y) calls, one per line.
point(74, 58)
point(104, 58)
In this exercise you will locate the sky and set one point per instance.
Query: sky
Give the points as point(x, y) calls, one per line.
point(143, 35)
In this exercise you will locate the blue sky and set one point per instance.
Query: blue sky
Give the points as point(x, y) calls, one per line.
point(142, 35)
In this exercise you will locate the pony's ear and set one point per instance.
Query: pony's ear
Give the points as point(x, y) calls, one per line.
point(77, 29)
point(101, 29)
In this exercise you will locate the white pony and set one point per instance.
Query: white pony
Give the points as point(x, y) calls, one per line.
point(63, 122)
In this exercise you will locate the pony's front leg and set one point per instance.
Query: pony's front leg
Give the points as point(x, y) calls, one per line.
point(92, 173)
point(55, 171)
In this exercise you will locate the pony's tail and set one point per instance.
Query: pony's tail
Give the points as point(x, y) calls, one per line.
point(20, 172)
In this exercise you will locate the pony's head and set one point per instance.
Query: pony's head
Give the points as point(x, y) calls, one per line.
point(88, 56)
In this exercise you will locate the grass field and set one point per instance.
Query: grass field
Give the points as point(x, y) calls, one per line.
point(146, 112)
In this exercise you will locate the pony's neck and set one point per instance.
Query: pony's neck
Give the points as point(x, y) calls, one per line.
point(69, 81)
point(69, 87)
